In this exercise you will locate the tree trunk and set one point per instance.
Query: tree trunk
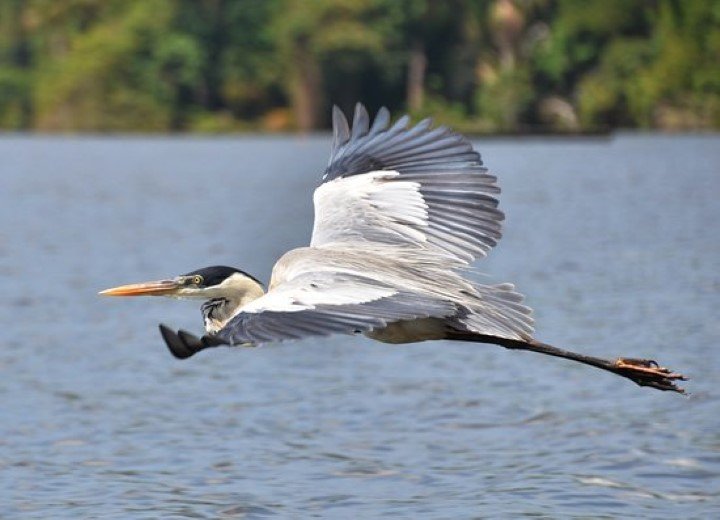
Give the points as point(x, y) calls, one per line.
point(306, 88)
point(417, 65)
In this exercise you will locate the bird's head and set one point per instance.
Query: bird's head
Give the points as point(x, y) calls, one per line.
point(206, 283)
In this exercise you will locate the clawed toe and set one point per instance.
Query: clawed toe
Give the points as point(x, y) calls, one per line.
point(647, 372)
point(647, 363)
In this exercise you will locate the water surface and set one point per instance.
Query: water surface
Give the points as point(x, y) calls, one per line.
point(615, 242)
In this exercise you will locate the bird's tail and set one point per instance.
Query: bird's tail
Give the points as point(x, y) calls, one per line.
point(494, 310)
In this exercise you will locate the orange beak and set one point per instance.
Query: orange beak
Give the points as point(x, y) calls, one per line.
point(158, 288)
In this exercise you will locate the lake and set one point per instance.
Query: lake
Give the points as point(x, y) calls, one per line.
point(615, 242)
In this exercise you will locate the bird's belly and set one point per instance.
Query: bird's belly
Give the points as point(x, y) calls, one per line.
point(410, 331)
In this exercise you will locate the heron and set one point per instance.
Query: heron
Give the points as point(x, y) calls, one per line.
point(401, 213)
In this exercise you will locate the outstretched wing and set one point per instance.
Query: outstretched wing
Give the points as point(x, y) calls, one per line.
point(325, 303)
point(419, 187)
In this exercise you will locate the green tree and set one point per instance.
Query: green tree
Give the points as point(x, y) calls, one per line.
point(114, 72)
point(480, 65)
point(16, 73)
point(321, 40)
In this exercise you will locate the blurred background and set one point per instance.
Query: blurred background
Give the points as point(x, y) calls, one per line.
point(483, 66)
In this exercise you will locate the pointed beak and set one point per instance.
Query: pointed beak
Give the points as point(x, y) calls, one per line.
point(158, 288)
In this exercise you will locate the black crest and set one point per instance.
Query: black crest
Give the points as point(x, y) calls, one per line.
point(216, 274)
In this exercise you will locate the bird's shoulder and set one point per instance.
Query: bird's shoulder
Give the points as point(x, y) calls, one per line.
point(338, 257)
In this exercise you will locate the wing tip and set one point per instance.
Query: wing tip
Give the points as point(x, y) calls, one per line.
point(181, 344)
point(382, 144)
point(341, 128)
point(361, 121)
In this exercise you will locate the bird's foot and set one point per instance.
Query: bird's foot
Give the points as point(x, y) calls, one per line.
point(646, 372)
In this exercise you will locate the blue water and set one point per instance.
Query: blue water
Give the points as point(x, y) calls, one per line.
point(615, 242)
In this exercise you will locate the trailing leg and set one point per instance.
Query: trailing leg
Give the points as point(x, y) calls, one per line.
point(644, 372)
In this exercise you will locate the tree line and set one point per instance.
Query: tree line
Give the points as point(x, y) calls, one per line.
point(480, 65)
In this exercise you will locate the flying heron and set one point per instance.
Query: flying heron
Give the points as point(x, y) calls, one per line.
point(401, 213)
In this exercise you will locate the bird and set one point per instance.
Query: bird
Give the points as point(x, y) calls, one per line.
point(401, 213)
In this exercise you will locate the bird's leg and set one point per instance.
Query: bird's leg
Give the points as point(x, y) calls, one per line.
point(644, 372)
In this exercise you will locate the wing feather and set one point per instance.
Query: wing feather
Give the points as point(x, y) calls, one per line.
point(419, 187)
point(341, 130)
point(361, 122)
point(324, 303)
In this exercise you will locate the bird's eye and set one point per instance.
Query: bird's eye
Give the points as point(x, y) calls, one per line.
point(197, 279)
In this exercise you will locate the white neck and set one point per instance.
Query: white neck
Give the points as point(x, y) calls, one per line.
point(227, 298)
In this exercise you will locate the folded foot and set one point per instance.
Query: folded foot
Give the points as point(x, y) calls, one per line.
point(646, 372)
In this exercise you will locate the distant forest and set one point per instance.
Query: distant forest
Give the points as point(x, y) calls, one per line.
point(275, 65)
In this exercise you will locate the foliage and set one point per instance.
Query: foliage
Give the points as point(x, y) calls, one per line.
point(481, 65)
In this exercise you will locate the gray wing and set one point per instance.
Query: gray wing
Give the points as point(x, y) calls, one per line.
point(325, 303)
point(419, 186)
